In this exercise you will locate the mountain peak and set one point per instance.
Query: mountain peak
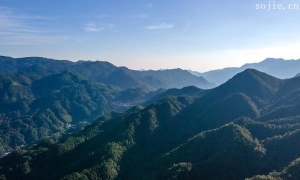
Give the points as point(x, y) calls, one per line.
point(253, 83)
point(254, 74)
point(297, 75)
point(251, 70)
point(273, 59)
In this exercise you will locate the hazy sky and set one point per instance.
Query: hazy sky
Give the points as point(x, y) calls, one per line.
point(189, 34)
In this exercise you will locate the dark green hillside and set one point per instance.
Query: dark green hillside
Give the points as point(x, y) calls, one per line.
point(138, 95)
point(264, 130)
point(214, 151)
point(229, 108)
point(186, 91)
point(290, 172)
point(32, 109)
point(284, 150)
point(15, 93)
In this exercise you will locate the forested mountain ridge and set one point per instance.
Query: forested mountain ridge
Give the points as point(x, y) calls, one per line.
point(246, 128)
point(109, 74)
point(9, 64)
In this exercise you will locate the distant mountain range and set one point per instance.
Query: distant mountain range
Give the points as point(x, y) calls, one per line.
point(248, 127)
point(107, 73)
point(279, 68)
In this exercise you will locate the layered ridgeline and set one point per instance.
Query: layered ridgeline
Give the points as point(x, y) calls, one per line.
point(248, 127)
point(45, 97)
point(279, 68)
point(38, 103)
point(107, 73)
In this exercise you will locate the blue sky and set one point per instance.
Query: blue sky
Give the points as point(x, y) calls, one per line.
point(189, 34)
